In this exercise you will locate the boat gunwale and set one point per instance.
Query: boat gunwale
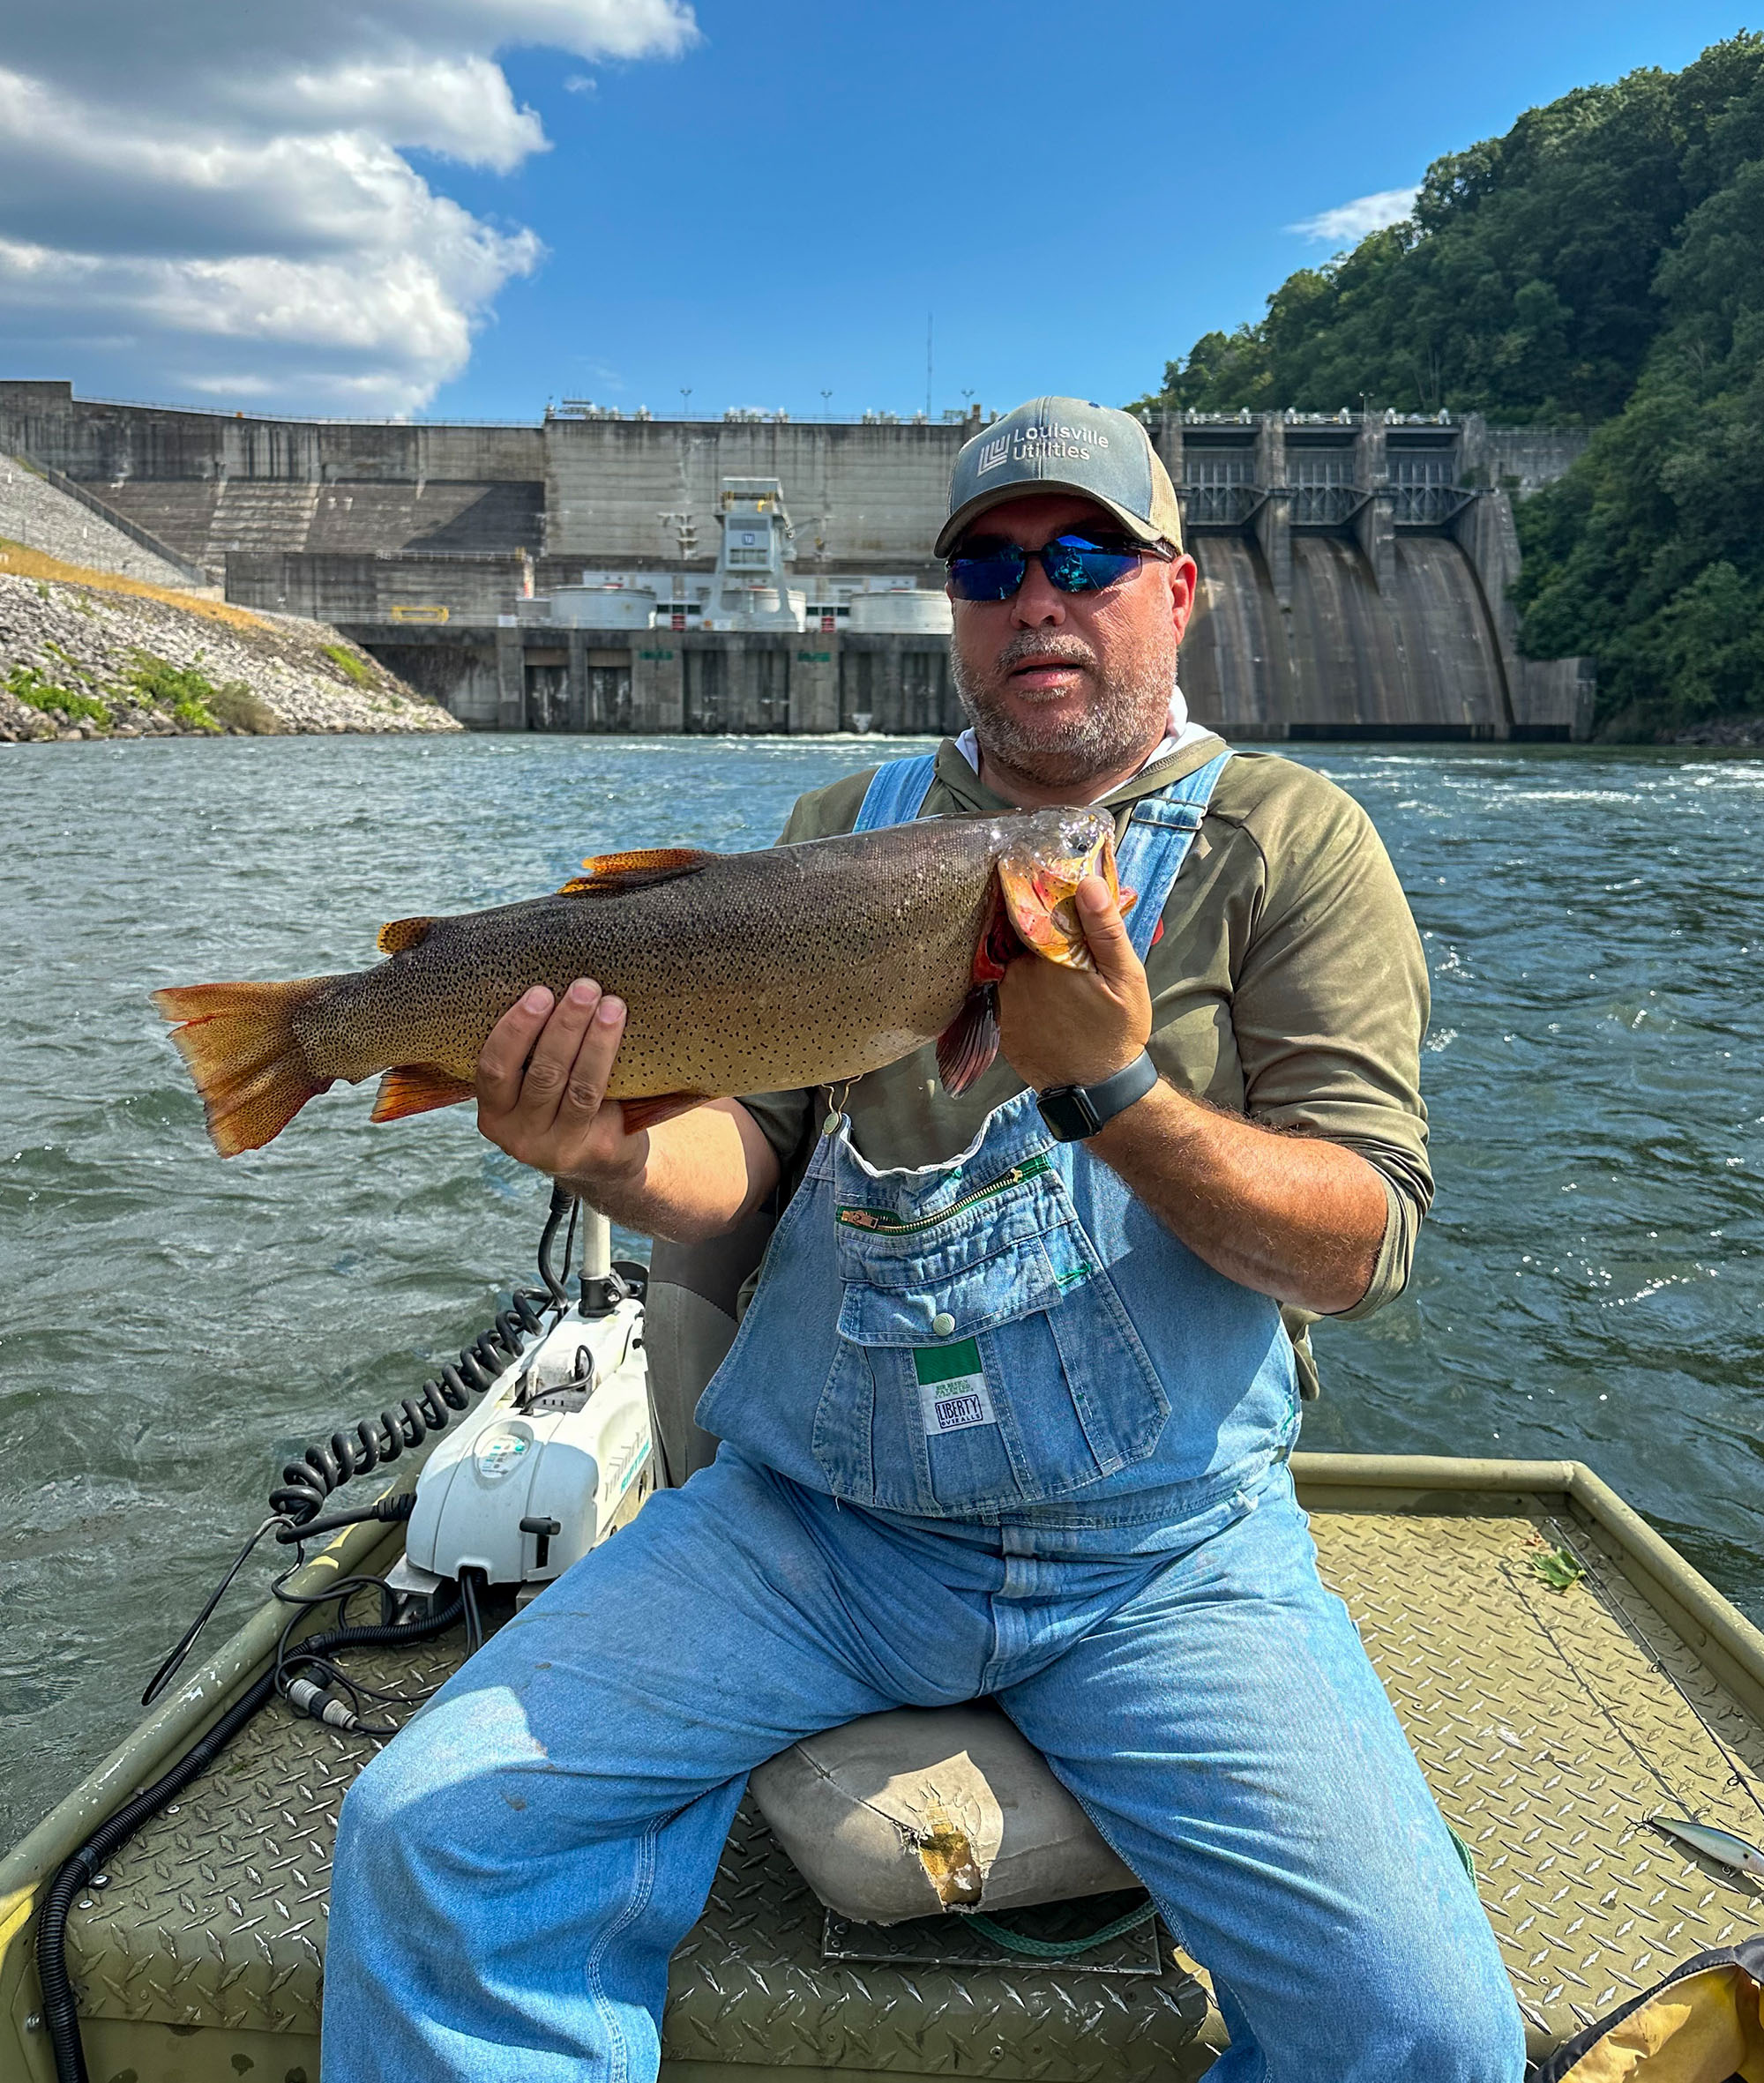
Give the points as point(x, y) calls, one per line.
point(170, 1727)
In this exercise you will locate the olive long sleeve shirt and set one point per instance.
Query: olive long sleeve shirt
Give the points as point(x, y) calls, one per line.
point(1289, 986)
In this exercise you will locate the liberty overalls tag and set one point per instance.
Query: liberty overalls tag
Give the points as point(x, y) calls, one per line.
point(952, 1388)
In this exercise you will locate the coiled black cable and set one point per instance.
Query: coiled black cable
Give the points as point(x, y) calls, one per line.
point(61, 2009)
point(329, 1464)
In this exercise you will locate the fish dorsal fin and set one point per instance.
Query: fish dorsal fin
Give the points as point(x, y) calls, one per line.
point(610, 873)
point(400, 933)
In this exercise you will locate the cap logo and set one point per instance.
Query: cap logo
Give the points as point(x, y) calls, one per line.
point(1045, 440)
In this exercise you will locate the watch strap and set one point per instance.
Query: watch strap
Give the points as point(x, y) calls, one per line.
point(1072, 1112)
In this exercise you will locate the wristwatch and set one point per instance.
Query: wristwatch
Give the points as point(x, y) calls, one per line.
point(1075, 1111)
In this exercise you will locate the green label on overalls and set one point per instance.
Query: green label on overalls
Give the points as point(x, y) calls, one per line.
point(952, 1387)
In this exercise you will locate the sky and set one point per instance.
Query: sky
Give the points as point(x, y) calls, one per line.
point(464, 209)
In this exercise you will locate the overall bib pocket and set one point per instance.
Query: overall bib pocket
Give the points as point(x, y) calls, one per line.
point(984, 1358)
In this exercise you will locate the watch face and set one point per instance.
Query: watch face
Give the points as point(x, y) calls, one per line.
point(1066, 1114)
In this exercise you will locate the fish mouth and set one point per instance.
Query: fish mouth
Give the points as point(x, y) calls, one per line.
point(1040, 886)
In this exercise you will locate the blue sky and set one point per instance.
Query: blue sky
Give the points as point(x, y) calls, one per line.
point(1075, 194)
point(460, 208)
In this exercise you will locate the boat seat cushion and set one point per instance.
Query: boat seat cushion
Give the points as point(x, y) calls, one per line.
point(921, 1810)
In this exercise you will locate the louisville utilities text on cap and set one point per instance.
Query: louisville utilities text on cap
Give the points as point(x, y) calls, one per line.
point(1061, 444)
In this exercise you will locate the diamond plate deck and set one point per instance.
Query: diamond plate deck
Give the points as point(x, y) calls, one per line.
point(1548, 1734)
point(1547, 1729)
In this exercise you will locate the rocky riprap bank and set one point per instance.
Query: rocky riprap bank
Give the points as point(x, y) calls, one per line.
point(90, 655)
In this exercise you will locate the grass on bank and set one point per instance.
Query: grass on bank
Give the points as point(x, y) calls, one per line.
point(185, 693)
point(22, 562)
point(346, 663)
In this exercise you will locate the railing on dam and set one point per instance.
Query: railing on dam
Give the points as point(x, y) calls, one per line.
point(1323, 505)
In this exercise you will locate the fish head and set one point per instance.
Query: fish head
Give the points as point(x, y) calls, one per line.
point(1046, 856)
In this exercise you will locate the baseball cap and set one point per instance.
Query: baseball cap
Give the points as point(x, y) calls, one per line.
point(1064, 444)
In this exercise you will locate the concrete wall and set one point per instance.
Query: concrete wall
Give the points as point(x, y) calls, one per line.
point(1347, 655)
point(1326, 607)
point(113, 443)
point(510, 676)
point(1360, 627)
point(206, 519)
point(352, 588)
point(1524, 459)
point(859, 497)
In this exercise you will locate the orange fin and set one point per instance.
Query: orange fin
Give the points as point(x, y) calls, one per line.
point(662, 1105)
point(400, 933)
point(967, 1045)
point(610, 873)
point(249, 1069)
point(418, 1088)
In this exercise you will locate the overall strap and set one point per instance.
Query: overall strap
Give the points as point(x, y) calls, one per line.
point(897, 792)
point(1159, 834)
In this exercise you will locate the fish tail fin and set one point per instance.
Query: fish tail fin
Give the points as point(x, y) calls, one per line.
point(249, 1069)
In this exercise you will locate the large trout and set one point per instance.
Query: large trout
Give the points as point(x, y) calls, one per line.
point(762, 972)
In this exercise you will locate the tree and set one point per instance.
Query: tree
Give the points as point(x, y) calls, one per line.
point(1602, 265)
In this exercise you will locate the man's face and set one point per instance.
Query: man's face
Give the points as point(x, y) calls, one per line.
point(1067, 688)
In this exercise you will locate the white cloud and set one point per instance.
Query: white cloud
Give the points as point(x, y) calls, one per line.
point(211, 197)
point(1348, 223)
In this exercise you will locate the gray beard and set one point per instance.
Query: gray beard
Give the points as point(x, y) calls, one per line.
point(1126, 719)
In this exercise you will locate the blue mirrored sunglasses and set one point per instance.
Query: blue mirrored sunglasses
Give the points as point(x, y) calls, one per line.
point(994, 570)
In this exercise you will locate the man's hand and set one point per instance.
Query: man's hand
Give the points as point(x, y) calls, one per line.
point(1291, 1216)
point(542, 1085)
point(1077, 1026)
point(542, 1077)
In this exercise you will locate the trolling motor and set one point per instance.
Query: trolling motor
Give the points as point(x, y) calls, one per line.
point(553, 1459)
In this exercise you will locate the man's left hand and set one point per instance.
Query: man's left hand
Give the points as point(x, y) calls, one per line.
point(1077, 1026)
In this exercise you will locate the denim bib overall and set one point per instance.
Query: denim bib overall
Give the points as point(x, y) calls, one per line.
point(1010, 1337)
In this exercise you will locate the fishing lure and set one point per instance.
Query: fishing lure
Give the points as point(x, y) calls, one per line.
point(1721, 1846)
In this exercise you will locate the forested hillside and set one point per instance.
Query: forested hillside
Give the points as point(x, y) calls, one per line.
point(1600, 265)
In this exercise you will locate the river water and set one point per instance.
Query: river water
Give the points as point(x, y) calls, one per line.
point(172, 1327)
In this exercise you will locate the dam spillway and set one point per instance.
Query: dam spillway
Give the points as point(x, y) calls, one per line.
point(1355, 568)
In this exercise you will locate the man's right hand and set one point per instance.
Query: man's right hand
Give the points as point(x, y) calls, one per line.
point(542, 1085)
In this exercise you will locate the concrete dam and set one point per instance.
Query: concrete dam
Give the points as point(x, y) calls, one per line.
point(577, 573)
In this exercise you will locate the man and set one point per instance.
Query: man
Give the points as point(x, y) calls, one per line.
point(1095, 1240)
